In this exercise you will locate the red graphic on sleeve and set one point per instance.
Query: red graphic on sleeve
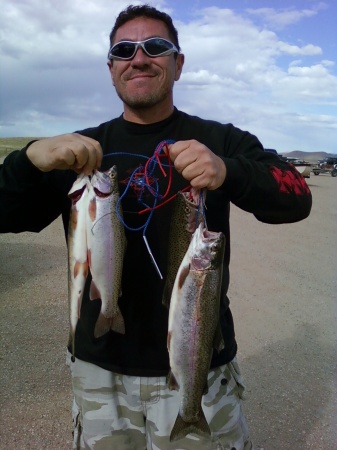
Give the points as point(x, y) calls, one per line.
point(290, 181)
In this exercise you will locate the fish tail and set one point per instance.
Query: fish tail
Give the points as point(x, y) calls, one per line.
point(105, 324)
point(181, 428)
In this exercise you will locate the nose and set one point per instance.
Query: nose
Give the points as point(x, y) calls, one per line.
point(140, 57)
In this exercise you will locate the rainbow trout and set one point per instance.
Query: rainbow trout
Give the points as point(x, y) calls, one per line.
point(77, 250)
point(106, 243)
point(194, 328)
point(187, 214)
point(96, 241)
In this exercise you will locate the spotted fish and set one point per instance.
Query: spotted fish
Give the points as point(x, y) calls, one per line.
point(194, 328)
point(106, 243)
point(187, 214)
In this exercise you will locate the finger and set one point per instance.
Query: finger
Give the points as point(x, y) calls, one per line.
point(87, 153)
point(193, 171)
point(80, 153)
point(90, 164)
point(186, 160)
point(177, 148)
point(95, 149)
point(199, 182)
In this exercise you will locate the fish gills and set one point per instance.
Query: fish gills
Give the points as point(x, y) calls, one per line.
point(187, 215)
point(77, 251)
point(194, 328)
point(106, 247)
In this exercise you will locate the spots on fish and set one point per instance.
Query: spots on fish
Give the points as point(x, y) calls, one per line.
point(92, 209)
point(185, 217)
point(182, 276)
point(117, 323)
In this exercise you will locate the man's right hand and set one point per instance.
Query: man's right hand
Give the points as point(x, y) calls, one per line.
point(67, 151)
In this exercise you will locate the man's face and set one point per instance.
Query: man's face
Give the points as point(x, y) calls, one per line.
point(144, 81)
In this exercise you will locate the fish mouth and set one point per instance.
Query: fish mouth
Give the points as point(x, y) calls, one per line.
point(101, 194)
point(102, 182)
point(209, 236)
point(76, 195)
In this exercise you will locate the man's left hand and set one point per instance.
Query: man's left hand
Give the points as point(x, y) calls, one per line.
point(198, 164)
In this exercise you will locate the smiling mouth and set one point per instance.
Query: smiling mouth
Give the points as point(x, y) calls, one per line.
point(140, 74)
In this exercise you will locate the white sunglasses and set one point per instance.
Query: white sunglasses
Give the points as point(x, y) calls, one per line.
point(153, 47)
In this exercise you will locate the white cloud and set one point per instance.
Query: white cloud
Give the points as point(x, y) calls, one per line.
point(55, 80)
point(233, 69)
point(283, 17)
point(294, 50)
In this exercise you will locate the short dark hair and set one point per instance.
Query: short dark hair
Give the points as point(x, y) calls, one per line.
point(133, 12)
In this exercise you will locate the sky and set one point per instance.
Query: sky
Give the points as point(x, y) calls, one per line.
point(267, 66)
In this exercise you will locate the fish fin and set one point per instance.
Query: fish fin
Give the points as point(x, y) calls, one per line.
point(94, 291)
point(218, 342)
point(181, 428)
point(183, 275)
point(172, 382)
point(117, 323)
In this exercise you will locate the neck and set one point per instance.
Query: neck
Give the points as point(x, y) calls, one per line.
point(146, 116)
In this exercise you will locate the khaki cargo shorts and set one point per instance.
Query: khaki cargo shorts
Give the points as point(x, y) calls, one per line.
point(120, 412)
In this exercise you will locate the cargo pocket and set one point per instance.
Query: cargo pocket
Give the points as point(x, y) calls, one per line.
point(234, 369)
point(77, 426)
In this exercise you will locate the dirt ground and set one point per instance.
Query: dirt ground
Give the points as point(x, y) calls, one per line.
point(283, 298)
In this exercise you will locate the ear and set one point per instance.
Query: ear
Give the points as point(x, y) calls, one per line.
point(109, 64)
point(179, 66)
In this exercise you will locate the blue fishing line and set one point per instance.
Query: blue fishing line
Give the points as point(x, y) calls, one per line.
point(139, 178)
point(140, 182)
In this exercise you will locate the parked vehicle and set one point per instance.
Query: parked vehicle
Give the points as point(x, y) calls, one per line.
point(328, 165)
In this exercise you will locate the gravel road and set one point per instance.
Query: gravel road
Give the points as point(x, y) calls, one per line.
point(283, 298)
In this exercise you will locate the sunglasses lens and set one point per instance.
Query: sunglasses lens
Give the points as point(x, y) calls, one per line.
point(155, 47)
point(124, 50)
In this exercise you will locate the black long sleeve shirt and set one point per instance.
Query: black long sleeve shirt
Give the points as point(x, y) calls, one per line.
point(256, 181)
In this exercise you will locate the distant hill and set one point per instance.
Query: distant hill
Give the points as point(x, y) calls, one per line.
point(309, 156)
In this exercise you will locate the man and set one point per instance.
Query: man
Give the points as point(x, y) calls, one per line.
point(121, 399)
